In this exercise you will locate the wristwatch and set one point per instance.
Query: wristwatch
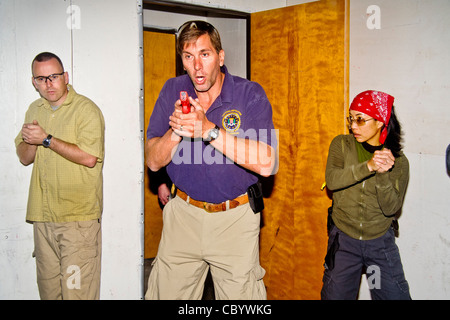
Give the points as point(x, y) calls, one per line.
point(46, 142)
point(213, 134)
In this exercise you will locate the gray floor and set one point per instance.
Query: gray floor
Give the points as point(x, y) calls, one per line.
point(208, 293)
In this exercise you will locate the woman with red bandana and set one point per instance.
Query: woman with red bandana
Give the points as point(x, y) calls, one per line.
point(367, 173)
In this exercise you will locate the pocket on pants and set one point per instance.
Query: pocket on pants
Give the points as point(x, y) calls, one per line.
point(333, 248)
point(392, 254)
point(88, 240)
point(259, 290)
point(152, 284)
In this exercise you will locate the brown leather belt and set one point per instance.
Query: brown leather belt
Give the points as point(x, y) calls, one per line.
point(213, 207)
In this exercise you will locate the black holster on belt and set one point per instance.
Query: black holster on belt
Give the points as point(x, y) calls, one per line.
point(255, 197)
point(329, 258)
point(395, 227)
point(330, 222)
point(334, 247)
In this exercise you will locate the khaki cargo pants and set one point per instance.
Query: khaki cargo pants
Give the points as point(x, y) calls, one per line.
point(194, 240)
point(68, 257)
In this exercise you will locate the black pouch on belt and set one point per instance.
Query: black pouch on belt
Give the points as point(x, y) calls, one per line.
point(329, 258)
point(330, 222)
point(255, 197)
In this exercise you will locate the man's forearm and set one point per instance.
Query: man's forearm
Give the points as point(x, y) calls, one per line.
point(159, 150)
point(253, 155)
point(72, 152)
point(26, 153)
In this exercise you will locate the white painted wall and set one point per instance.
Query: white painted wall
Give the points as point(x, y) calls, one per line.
point(244, 6)
point(103, 44)
point(407, 57)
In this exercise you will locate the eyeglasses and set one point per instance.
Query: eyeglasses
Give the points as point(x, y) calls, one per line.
point(360, 121)
point(43, 80)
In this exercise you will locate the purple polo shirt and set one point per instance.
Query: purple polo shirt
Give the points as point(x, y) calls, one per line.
point(205, 174)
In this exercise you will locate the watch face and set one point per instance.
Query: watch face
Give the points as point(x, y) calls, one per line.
point(46, 142)
point(214, 133)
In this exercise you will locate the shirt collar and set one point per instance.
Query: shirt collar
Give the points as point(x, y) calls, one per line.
point(226, 93)
point(70, 95)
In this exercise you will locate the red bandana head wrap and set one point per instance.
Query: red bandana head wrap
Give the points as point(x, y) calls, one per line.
point(376, 104)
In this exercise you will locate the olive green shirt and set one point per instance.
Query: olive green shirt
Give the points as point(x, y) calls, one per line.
point(364, 202)
point(61, 190)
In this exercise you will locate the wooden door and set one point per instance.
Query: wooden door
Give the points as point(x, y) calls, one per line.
point(159, 65)
point(299, 56)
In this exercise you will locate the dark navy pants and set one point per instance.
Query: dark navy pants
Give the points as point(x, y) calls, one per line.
point(380, 258)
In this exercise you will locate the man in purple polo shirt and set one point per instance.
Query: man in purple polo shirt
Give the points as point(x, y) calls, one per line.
point(214, 155)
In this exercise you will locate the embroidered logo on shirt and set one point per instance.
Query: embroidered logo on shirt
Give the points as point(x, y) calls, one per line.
point(231, 121)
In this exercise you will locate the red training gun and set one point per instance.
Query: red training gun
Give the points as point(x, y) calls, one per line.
point(185, 105)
